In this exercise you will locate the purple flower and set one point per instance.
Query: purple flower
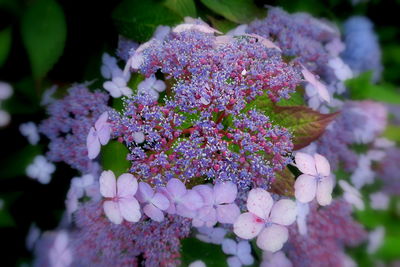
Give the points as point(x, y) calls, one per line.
point(155, 203)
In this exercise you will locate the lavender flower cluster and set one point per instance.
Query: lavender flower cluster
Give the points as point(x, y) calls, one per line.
point(204, 154)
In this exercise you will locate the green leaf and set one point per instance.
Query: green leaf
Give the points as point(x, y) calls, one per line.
point(284, 183)
point(193, 250)
point(239, 11)
point(392, 132)
point(6, 219)
point(222, 25)
point(17, 162)
point(44, 31)
point(137, 19)
point(5, 44)
point(305, 124)
point(183, 8)
point(113, 157)
point(362, 88)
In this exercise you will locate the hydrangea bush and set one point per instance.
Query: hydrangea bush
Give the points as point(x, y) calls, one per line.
point(232, 140)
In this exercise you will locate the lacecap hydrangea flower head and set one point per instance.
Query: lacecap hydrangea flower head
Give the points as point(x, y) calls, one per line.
point(207, 142)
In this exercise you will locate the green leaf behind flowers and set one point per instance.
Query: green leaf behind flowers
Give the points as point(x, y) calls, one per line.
point(137, 19)
point(113, 157)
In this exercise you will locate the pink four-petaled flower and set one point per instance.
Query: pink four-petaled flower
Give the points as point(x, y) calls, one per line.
point(155, 203)
point(98, 135)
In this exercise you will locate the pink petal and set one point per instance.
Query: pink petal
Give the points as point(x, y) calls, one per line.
point(145, 192)
point(225, 193)
point(153, 213)
point(127, 185)
point(92, 144)
point(244, 253)
point(111, 209)
point(206, 192)
point(176, 188)
point(130, 209)
point(108, 186)
point(104, 134)
point(305, 163)
point(248, 225)
point(229, 246)
point(284, 212)
point(227, 213)
point(101, 120)
point(112, 88)
point(259, 202)
point(322, 165)
point(208, 215)
point(272, 238)
point(305, 188)
point(192, 200)
point(160, 201)
point(324, 191)
point(320, 87)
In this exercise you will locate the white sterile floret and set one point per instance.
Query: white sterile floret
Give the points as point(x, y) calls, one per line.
point(161, 32)
point(213, 235)
point(351, 195)
point(4, 118)
point(302, 211)
point(363, 174)
point(152, 86)
point(239, 30)
point(379, 201)
point(375, 239)
point(322, 91)
point(117, 87)
point(266, 220)
point(60, 254)
point(316, 180)
point(341, 69)
point(6, 90)
point(277, 259)
point(30, 131)
point(40, 169)
point(241, 252)
point(110, 68)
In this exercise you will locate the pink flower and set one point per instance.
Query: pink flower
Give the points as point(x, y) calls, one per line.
point(318, 86)
point(182, 201)
point(218, 206)
point(60, 254)
point(266, 220)
point(155, 203)
point(121, 203)
point(98, 135)
point(315, 181)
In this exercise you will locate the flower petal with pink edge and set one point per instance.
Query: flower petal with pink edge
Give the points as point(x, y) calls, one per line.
point(192, 200)
point(145, 193)
point(111, 209)
point(160, 201)
point(284, 212)
point(92, 144)
point(225, 193)
point(153, 212)
point(176, 188)
point(305, 163)
point(305, 188)
point(248, 225)
point(101, 120)
point(322, 165)
point(227, 213)
point(130, 209)
point(324, 191)
point(127, 185)
point(272, 238)
point(259, 202)
point(108, 185)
